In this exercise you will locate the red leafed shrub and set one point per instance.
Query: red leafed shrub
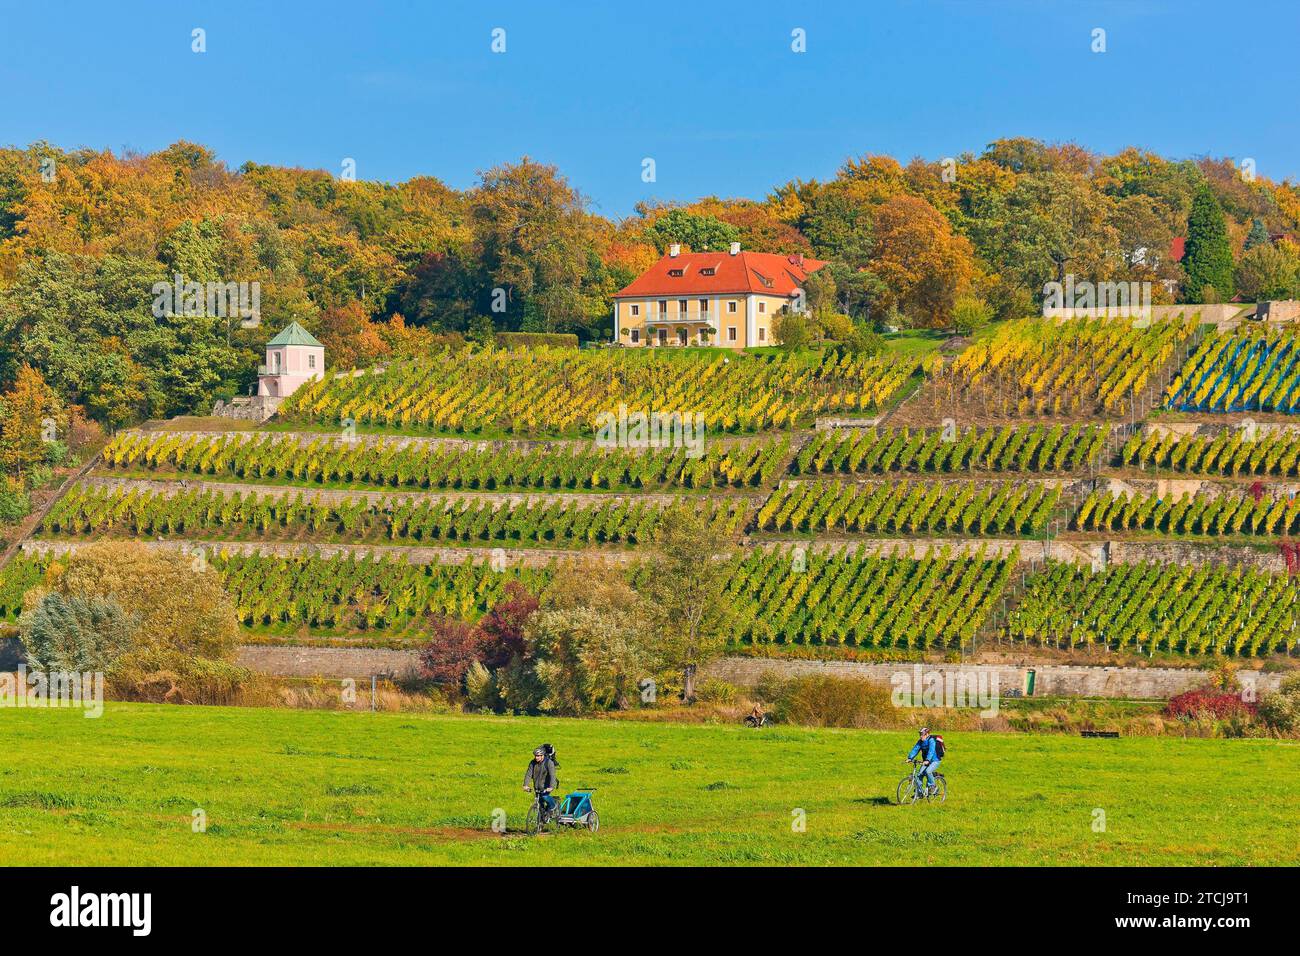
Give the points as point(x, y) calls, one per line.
point(502, 628)
point(1208, 702)
point(453, 647)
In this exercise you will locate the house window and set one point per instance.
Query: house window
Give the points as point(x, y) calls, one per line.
point(663, 306)
point(731, 306)
point(762, 306)
point(311, 361)
point(636, 336)
point(731, 333)
point(675, 273)
point(681, 306)
point(275, 362)
point(636, 310)
point(663, 336)
point(681, 336)
point(708, 271)
point(762, 335)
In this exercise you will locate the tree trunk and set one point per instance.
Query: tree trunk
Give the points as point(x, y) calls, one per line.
point(688, 683)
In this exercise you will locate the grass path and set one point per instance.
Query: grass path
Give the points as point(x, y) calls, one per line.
point(334, 788)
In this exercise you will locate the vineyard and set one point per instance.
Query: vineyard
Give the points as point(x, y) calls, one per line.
point(1045, 452)
point(1019, 448)
point(864, 601)
point(1250, 370)
point(1041, 367)
point(916, 507)
point(1231, 453)
point(1200, 514)
point(95, 511)
point(1156, 607)
point(334, 462)
point(557, 392)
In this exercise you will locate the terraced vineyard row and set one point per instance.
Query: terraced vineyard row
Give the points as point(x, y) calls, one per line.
point(1231, 453)
point(863, 601)
point(393, 464)
point(96, 511)
point(1248, 369)
point(1212, 515)
point(1077, 367)
point(1017, 448)
point(554, 392)
point(909, 508)
point(1158, 607)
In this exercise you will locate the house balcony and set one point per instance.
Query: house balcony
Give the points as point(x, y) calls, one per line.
point(681, 318)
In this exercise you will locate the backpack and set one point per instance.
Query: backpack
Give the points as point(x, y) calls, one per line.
point(939, 748)
point(550, 755)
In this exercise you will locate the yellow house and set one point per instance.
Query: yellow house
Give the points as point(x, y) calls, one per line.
point(725, 299)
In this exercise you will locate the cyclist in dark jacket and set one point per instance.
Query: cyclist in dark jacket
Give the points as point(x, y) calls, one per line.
point(540, 777)
point(925, 747)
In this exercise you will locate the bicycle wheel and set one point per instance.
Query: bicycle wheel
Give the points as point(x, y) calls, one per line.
point(940, 788)
point(534, 822)
point(593, 821)
point(907, 792)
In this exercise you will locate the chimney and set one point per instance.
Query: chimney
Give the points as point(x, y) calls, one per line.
point(735, 248)
point(675, 250)
point(797, 260)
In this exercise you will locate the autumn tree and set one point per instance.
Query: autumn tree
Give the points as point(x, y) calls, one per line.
point(922, 263)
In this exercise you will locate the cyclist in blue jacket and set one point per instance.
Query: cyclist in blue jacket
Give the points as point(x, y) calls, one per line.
point(930, 760)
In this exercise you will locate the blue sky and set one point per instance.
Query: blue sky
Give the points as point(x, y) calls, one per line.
point(711, 91)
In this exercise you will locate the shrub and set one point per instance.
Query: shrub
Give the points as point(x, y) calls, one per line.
point(818, 701)
point(716, 691)
point(1280, 710)
point(1208, 703)
point(14, 505)
point(167, 677)
point(447, 657)
point(76, 633)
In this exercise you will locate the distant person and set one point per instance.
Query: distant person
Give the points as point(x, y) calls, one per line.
point(540, 777)
point(927, 746)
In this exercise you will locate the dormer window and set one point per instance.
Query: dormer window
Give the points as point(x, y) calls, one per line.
point(708, 271)
point(676, 273)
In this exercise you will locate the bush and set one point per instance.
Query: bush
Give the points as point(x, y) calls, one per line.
point(818, 701)
point(165, 677)
point(1204, 703)
point(75, 633)
point(716, 691)
point(1280, 710)
point(14, 505)
point(532, 340)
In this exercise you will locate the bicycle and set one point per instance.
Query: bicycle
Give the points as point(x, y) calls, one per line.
point(538, 815)
point(755, 722)
point(912, 788)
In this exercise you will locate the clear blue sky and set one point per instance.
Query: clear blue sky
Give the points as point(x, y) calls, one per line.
point(711, 91)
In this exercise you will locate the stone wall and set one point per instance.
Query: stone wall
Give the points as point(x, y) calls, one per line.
point(1050, 680)
point(328, 662)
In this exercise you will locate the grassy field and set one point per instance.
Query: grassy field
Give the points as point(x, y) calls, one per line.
point(342, 788)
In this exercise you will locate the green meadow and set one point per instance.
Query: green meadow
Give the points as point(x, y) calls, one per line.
point(355, 788)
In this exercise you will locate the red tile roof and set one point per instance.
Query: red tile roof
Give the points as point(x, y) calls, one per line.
point(1178, 248)
point(761, 272)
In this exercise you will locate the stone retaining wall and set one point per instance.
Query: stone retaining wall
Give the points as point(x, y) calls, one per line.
point(1050, 680)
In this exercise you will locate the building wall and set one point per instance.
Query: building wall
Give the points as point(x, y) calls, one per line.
point(753, 317)
point(296, 368)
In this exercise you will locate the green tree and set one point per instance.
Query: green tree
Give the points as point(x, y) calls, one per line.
point(684, 592)
point(696, 233)
point(970, 314)
point(75, 633)
point(1207, 263)
point(1257, 236)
